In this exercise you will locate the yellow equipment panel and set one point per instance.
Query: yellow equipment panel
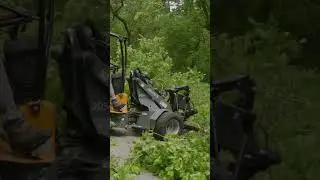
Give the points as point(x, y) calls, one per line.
point(43, 119)
point(123, 98)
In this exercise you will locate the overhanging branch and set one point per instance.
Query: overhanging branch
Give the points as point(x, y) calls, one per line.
point(115, 13)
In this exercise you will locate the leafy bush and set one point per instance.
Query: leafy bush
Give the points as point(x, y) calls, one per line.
point(184, 157)
point(127, 171)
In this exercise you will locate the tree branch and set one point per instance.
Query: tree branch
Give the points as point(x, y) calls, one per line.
point(116, 15)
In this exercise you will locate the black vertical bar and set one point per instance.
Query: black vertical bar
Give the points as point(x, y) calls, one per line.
point(125, 56)
point(107, 164)
point(41, 47)
point(122, 43)
point(214, 152)
point(49, 30)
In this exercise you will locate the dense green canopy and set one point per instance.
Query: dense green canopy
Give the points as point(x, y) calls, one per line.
point(264, 38)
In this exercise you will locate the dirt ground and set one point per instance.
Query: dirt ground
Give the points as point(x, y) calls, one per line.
point(123, 140)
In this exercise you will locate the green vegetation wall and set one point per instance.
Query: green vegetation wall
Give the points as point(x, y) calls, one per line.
point(184, 29)
point(300, 18)
point(287, 101)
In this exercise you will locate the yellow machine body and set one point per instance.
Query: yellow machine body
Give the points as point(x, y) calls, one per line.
point(124, 99)
point(45, 118)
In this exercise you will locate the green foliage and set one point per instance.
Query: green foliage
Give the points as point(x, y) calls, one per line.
point(68, 13)
point(126, 171)
point(287, 99)
point(80, 10)
point(184, 157)
point(298, 17)
point(264, 48)
point(152, 58)
point(184, 29)
point(187, 42)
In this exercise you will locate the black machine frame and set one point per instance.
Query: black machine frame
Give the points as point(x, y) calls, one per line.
point(152, 104)
point(16, 22)
point(233, 130)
